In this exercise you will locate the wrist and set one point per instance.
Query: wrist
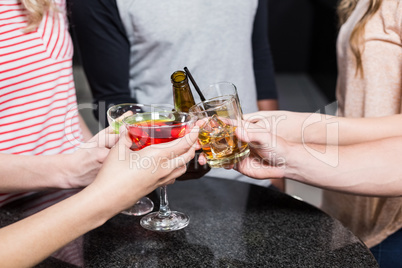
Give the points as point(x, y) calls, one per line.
point(101, 203)
point(90, 209)
point(293, 155)
point(62, 170)
point(67, 165)
point(314, 128)
point(58, 171)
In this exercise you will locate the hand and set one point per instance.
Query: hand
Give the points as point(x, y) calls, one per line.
point(269, 118)
point(291, 126)
point(129, 175)
point(82, 166)
point(267, 153)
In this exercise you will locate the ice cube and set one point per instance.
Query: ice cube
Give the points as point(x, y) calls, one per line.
point(213, 123)
point(221, 137)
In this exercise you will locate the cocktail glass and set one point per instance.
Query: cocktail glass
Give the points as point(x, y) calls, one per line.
point(219, 118)
point(115, 115)
point(154, 128)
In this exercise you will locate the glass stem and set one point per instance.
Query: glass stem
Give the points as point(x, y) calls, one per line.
point(164, 210)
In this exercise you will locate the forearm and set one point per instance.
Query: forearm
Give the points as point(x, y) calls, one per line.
point(327, 129)
point(19, 173)
point(371, 168)
point(40, 235)
point(345, 131)
point(356, 130)
point(47, 231)
point(29, 173)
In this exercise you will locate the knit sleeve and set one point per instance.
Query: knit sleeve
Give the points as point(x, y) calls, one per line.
point(104, 51)
point(263, 65)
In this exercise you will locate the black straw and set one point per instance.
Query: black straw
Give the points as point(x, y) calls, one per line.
point(194, 84)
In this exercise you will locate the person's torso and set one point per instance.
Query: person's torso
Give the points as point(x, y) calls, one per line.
point(211, 38)
point(38, 109)
point(378, 93)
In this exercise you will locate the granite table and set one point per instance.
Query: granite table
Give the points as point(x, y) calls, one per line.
point(233, 224)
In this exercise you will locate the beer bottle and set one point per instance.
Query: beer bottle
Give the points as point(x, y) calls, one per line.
point(183, 100)
point(182, 97)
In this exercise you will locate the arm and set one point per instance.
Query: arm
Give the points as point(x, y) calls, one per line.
point(326, 129)
point(382, 77)
point(267, 105)
point(367, 168)
point(262, 58)
point(39, 172)
point(104, 51)
point(40, 235)
point(372, 168)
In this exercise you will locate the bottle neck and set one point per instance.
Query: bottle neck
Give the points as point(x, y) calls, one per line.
point(182, 96)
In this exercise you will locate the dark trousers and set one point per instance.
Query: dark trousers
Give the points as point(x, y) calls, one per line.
point(389, 252)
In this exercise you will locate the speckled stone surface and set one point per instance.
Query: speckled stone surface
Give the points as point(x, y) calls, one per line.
point(232, 224)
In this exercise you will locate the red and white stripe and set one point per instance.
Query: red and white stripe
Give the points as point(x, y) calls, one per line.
point(38, 107)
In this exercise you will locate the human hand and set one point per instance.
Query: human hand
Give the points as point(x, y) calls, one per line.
point(291, 126)
point(128, 175)
point(268, 153)
point(82, 166)
point(194, 169)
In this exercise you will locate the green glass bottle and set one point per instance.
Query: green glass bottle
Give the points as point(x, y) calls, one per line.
point(182, 97)
point(183, 100)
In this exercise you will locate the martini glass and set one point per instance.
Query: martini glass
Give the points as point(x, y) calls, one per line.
point(153, 128)
point(115, 115)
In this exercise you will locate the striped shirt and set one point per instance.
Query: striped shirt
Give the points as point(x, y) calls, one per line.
point(38, 108)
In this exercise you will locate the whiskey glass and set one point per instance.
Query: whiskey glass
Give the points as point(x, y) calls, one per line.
point(218, 120)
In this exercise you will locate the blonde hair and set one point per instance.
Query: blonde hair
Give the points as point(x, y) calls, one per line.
point(345, 9)
point(36, 10)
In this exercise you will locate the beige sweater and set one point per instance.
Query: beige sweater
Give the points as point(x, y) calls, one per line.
point(378, 93)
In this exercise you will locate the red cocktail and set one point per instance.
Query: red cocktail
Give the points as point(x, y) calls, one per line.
point(151, 131)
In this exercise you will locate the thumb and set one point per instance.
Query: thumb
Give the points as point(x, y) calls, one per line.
point(124, 139)
point(122, 150)
point(181, 145)
point(253, 134)
point(107, 138)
